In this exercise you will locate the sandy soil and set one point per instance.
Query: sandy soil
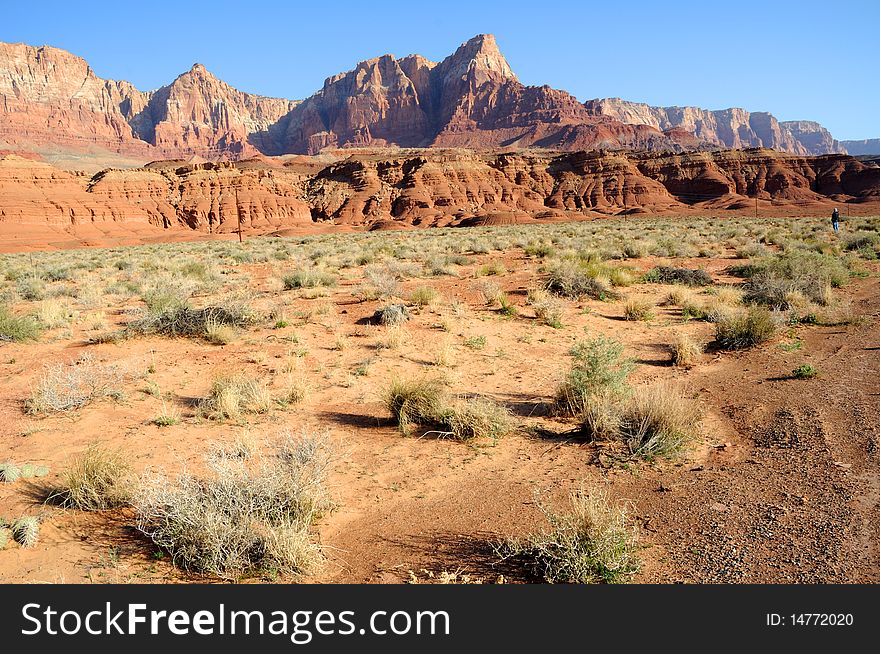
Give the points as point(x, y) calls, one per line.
point(782, 487)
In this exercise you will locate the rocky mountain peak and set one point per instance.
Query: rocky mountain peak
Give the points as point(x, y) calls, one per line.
point(478, 61)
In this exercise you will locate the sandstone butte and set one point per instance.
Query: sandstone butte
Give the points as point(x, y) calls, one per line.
point(43, 206)
point(52, 103)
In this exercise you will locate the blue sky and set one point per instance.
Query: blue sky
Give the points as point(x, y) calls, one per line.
point(799, 60)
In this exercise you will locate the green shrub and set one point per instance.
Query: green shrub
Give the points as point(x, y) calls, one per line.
point(598, 367)
point(772, 281)
point(17, 328)
point(805, 371)
point(308, 279)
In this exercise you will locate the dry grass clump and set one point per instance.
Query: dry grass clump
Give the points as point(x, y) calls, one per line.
point(572, 280)
point(672, 275)
point(17, 328)
point(219, 333)
point(414, 401)
point(97, 480)
point(594, 542)
point(424, 296)
point(70, 387)
point(638, 310)
point(685, 351)
point(233, 396)
point(658, 421)
point(54, 313)
point(249, 515)
point(476, 417)
point(424, 402)
point(744, 329)
point(547, 308)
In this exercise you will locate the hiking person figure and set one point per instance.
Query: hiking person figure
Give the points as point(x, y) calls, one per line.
point(835, 220)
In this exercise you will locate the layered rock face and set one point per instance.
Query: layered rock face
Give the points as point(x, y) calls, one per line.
point(199, 114)
point(863, 147)
point(815, 138)
point(50, 98)
point(425, 187)
point(470, 99)
point(727, 128)
point(51, 102)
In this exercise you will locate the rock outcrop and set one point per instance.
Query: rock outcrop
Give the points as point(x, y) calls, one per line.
point(725, 128)
point(403, 188)
point(863, 147)
point(53, 104)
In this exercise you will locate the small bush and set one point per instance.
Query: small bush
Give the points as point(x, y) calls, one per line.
point(414, 402)
point(70, 387)
point(685, 351)
point(170, 416)
point(233, 396)
point(741, 330)
point(26, 531)
point(547, 309)
point(805, 371)
point(308, 279)
point(192, 323)
point(593, 543)
point(475, 342)
point(508, 308)
point(671, 275)
point(862, 240)
point(424, 296)
point(392, 314)
point(4, 536)
point(219, 333)
point(658, 421)
point(574, 281)
point(97, 480)
point(598, 368)
point(638, 310)
point(17, 328)
point(476, 417)
point(248, 515)
point(773, 280)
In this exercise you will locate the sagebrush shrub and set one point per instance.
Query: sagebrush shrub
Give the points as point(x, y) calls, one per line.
point(247, 515)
